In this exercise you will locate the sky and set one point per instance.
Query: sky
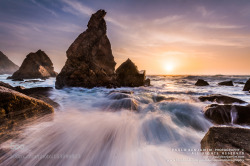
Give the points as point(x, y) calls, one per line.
point(159, 36)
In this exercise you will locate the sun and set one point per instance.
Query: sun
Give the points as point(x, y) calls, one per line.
point(169, 67)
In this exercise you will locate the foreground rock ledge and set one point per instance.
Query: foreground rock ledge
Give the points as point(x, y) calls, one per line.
point(16, 107)
point(228, 138)
point(35, 65)
point(90, 60)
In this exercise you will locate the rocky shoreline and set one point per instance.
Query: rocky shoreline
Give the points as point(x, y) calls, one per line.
point(19, 106)
point(90, 63)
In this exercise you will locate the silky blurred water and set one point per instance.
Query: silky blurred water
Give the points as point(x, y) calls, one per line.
point(100, 127)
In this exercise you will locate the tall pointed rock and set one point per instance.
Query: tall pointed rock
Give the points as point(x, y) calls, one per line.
point(6, 65)
point(90, 60)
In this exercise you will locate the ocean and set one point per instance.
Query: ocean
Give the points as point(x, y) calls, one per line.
point(158, 125)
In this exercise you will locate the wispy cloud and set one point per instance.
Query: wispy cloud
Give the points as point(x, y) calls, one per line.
point(85, 10)
point(79, 7)
point(168, 19)
point(218, 26)
point(203, 11)
point(44, 7)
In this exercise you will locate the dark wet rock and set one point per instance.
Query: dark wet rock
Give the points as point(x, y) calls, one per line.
point(41, 93)
point(6, 85)
point(247, 86)
point(225, 114)
point(228, 138)
point(35, 65)
point(90, 60)
point(239, 82)
point(6, 65)
point(147, 82)
point(226, 83)
point(128, 75)
point(201, 82)
point(16, 107)
point(118, 95)
point(122, 91)
point(159, 98)
point(16, 79)
point(19, 88)
point(125, 103)
point(221, 99)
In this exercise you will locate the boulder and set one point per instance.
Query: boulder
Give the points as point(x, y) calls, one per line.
point(147, 82)
point(225, 114)
point(226, 83)
point(128, 75)
point(16, 107)
point(118, 95)
point(221, 99)
point(201, 82)
point(228, 138)
point(90, 62)
point(159, 98)
point(35, 65)
point(124, 103)
point(247, 86)
point(6, 65)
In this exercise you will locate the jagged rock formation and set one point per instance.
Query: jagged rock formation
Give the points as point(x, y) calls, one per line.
point(247, 86)
point(16, 107)
point(91, 64)
point(35, 65)
point(128, 75)
point(201, 82)
point(6, 65)
point(226, 83)
point(90, 61)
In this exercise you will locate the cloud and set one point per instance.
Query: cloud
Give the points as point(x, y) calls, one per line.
point(203, 11)
point(167, 19)
point(43, 7)
point(79, 7)
point(218, 26)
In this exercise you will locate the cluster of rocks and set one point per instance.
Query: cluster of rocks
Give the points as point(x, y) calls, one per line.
point(201, 82)
point(90, 62)
point(18, 104)
point(226, 111)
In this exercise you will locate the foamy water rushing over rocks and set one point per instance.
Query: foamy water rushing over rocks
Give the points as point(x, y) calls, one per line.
point(141, 126)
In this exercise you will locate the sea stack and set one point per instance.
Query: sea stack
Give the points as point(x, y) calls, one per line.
point(90, 60)
point(35, 65)
point(6, 65)
point(128, 75)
